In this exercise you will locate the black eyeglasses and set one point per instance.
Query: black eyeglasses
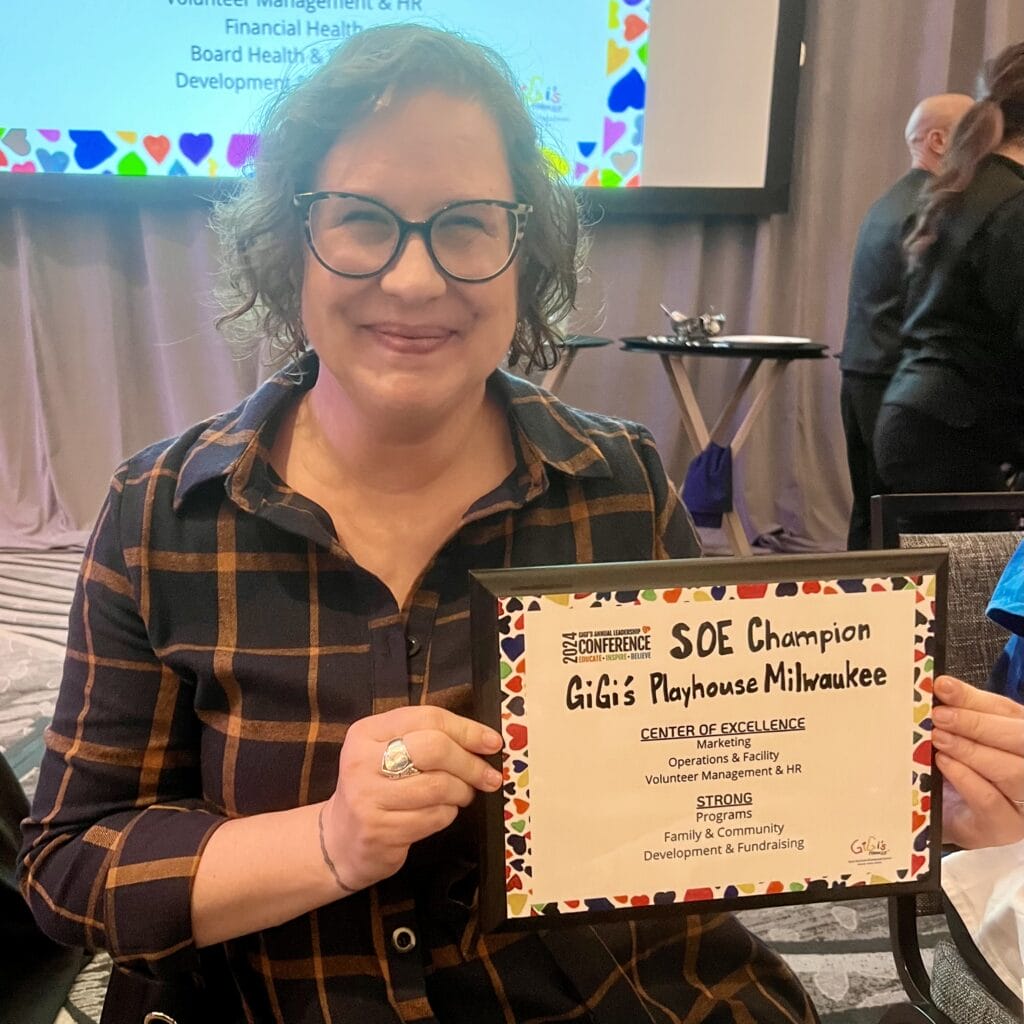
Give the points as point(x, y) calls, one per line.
point(473, 240)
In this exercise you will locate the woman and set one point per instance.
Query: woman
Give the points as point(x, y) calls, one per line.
point(953, 416)
point(264, 740)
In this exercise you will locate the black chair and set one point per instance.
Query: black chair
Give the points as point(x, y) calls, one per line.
point(962, 988)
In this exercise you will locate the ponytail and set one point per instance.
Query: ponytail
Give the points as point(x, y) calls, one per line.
point(996, 118)
point(979, 133)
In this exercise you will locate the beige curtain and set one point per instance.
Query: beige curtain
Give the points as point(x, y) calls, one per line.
point(105, 315)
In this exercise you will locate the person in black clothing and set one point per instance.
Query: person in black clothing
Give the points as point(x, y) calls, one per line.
point(953, 416)
point(871, 344)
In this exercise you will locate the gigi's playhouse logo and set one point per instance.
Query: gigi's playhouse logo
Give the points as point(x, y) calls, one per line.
point(607, 645)
point(868, 849)
point(541, 97)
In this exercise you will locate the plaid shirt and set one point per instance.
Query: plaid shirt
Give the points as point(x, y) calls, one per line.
point(221, 642)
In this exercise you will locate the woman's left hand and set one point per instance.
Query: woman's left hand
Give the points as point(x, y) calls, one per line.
point(979, 741)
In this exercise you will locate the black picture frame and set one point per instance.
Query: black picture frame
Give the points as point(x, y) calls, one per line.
point(487, 586)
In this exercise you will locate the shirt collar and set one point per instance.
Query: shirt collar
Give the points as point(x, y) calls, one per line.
point(550, 434)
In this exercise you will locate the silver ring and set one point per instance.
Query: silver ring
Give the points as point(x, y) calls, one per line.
point(396, 762)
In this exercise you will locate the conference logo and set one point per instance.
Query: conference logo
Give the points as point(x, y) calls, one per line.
point(607, 645)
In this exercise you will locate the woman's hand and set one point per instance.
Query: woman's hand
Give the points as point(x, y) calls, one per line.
point(371, 820)
point(979, 741)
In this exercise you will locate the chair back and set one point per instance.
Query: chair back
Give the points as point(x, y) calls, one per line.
point(976, 561)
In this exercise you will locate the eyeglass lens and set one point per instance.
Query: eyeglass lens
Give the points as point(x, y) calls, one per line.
point(352, 236)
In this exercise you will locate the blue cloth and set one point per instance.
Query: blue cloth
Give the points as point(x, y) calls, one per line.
point(1006, 608)
point(707, 490)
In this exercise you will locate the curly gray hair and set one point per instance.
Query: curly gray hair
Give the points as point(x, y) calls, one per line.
point(261, 230)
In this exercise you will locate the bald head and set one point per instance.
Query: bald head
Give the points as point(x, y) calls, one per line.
point(931, 126)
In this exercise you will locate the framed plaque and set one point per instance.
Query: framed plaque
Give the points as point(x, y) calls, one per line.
point(708, 732)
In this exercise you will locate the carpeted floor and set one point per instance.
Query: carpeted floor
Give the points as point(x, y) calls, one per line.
point(839, 950)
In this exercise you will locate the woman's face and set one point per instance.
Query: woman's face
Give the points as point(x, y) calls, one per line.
point(411, 342)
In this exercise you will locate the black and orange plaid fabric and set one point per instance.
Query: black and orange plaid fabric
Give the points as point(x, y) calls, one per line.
point(221, 641)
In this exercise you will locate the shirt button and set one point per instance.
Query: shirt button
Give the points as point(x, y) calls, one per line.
point(412, 645)
point(403, 940)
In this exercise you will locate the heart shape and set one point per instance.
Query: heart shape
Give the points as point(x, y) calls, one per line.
point(617, 56)
point(242, 149)
point(698, 894)
point(132, 165)
point(195, 147)
point(916, 863)
point(811, 587)
point(635, 27)
point(52, 163)
point(917, 820)
point(50, 134)
point(16, 141)
point(26, 168)
point(516, 736)
point(3, 159)
point(629, 91)
point(613, 131)
point(157, 146)
point(177, 170)
point(514, 684)
point(513, 646)
point(130, 137)
point(519, 826)
point(753, 590)
point(91, 148)
point(624, 163)
point(586, 149)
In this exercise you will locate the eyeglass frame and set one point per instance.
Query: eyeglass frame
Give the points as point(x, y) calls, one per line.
point(521, 211)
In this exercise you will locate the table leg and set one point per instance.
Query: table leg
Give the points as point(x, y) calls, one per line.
point(719, 432)
point(692, 418)
point(773, 374)
point(732, 527)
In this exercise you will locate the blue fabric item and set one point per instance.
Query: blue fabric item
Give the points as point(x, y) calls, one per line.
point(1006, 608)
point(707, 490)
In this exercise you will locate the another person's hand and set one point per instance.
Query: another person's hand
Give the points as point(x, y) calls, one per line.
point(371, 820)
point(979, 741)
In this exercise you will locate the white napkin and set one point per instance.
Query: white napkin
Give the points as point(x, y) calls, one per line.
point(987, 888)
